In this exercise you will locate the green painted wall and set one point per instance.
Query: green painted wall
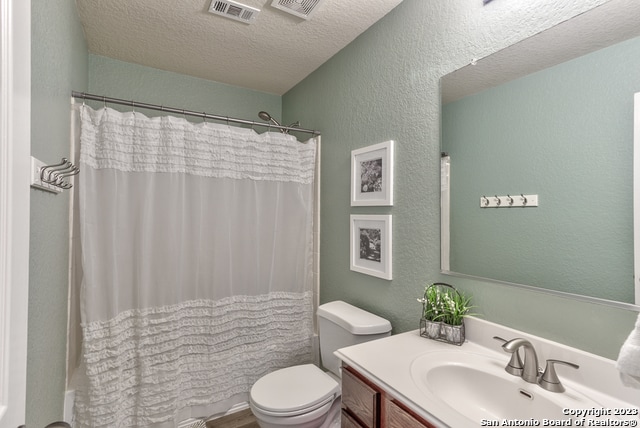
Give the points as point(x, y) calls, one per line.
point(382, 86)
point(58, 65)
point(385, 85)
point(566, 134)
point(128, 81)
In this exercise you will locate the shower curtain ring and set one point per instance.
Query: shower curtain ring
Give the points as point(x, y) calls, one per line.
point(204, 117)
point(104, 101)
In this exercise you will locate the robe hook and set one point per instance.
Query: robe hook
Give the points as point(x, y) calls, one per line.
point(48, 169)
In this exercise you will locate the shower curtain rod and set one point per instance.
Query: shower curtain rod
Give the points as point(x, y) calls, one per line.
point(202, 115)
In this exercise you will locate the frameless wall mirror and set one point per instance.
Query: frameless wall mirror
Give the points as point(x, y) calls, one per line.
point(551, 117)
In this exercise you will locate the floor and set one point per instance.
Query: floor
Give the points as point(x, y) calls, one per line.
point(243, 419)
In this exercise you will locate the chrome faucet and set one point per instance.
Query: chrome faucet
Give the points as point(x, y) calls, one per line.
point(549, 379)
point(530, 370)
point(515, 366)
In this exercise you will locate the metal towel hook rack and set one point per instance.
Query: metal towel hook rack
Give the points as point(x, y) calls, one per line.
point(52, 178)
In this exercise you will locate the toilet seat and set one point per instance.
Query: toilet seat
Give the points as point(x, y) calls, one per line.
point(293, 391)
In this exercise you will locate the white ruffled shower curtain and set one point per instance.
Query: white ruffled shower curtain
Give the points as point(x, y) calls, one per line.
point(196, 243)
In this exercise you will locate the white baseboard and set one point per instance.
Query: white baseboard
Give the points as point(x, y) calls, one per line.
point(237, 408)
point(69, 399)
point(187, 423)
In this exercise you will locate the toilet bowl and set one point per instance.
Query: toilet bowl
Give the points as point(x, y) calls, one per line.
point(305, 396)
point(300, 396)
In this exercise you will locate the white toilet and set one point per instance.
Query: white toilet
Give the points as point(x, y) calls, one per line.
point(304, 396)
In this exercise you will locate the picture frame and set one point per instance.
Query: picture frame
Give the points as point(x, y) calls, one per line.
point(371, 245)
point(372, 175)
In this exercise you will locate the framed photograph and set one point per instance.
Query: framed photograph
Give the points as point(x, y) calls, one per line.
point(372, 175)
point(371, 245)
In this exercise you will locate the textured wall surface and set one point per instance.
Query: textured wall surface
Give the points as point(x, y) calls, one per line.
point(385, 85)
point(59, 65)
point(382, 86)
point(128, 81)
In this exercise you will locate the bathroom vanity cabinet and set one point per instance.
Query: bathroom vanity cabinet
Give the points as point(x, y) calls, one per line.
point(365, 405)
point(386, 382)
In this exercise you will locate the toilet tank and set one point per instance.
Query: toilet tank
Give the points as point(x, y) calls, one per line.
point(341, 324)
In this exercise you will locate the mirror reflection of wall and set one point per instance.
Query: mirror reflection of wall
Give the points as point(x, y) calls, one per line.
point(566, 134)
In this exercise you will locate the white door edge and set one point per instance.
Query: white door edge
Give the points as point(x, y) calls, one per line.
point(636, 196)
point(15, 147)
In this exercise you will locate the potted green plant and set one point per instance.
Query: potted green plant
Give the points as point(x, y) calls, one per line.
point(443, 312)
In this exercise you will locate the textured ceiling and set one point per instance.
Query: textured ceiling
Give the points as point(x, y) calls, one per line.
point(604, 25)
point(272, 54)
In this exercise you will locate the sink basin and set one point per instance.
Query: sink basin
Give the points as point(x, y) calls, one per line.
point(477, 387)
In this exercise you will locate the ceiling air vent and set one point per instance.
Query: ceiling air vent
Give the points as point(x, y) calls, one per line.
point(234, 10)
point(299, 8)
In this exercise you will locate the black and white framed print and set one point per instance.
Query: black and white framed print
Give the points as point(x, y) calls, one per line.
point(371, 249)
point(372, 175)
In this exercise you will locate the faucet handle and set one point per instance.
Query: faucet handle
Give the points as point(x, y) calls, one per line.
point(549, 379)
point(515, 366)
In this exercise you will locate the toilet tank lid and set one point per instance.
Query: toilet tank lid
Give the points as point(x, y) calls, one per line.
point(353, 319)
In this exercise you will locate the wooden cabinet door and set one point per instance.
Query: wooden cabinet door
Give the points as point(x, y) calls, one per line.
point(364, 405)
point(360, 401)
point(398, 417)
point(348, 421)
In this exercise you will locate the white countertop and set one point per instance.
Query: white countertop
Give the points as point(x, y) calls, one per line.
point(387, 362)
